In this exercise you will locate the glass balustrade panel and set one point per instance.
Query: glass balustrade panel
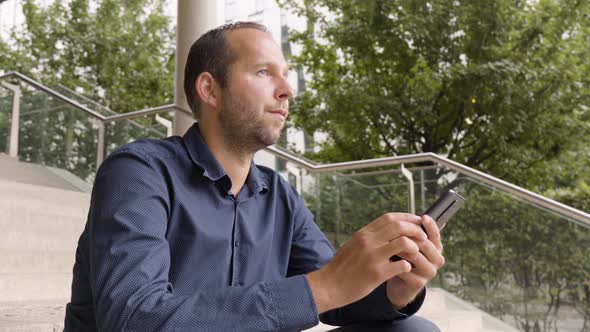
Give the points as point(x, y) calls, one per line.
point(83, 100)
point(343, 203)
point(121, 132)
point(6, 98)
point(514, 260)
point(54, 133)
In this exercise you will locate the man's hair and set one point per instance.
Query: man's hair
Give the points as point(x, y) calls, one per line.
point(211, 53)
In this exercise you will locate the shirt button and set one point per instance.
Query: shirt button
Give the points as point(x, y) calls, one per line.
point(237, 244)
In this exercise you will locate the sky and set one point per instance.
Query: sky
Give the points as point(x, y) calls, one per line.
point(11, 13)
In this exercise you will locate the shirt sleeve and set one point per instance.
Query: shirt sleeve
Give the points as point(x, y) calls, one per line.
point(130, 262)
point(311, 250)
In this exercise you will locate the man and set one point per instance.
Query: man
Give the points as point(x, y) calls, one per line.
point(188, 234)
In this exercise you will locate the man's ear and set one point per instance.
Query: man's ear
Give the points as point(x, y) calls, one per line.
point(207, 89)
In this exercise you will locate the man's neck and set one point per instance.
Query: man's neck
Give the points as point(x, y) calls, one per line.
point(235, 163)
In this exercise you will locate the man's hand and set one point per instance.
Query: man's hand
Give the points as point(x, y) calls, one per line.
point(363, 263)
point(403, 288)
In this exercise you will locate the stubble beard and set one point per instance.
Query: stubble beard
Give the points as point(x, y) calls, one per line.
point(243, 129)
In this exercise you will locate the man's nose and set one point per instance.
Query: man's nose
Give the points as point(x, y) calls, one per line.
point(284, 91)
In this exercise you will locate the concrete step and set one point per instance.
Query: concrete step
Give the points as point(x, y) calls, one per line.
point(29, 327)
point(35, 286)
point(29, 221)
point(35, 218)
point(32, 316)
point(55, 241)
point(40, 221)
point(25, 172)
point(451, 313)
point(457, 320)
point(434, 303)
point(45, 196)
point(36, 261)
point(20, 202)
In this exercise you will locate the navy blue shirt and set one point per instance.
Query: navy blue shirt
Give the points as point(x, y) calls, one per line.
point(167, 247)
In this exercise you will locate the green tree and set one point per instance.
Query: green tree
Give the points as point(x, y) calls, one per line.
point(120, 54)
point(497, 85)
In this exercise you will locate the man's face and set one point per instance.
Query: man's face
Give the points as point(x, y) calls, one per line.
point(254, 104)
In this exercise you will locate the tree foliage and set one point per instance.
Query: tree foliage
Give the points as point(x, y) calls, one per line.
point(498, 85)
point(118, 53)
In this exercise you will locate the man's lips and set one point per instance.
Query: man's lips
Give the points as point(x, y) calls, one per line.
point(281, 113)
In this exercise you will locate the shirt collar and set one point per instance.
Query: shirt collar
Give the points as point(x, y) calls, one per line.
point(203, 158)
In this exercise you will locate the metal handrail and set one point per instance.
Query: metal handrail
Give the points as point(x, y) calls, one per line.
point(143, 112)
point(581, 217)
point(53, 93)
point(75, 104)
point(100, 119)
point(93, 104)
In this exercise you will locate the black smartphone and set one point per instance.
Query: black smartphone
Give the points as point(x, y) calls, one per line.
point(441, 211)
point(445, 207)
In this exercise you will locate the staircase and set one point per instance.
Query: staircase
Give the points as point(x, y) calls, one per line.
point(451, 314)
point(41, 217)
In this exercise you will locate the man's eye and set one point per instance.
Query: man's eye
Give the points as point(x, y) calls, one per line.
point(263, 72)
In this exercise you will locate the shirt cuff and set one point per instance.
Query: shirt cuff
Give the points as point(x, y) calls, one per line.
point(413, 306)
point(389, 312)
point(293, 303)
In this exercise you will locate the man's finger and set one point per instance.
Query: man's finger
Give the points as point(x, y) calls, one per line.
point(413, 280)
point(423, 267)
point(400, 228)
point(398, 268)
point(432, 230)
point(388, 218)
point(402, 244)
point(431, 253)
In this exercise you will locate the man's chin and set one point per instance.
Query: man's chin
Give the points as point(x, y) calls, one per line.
point(270, 140)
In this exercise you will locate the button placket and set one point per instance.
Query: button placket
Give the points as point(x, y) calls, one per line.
point(235, 267)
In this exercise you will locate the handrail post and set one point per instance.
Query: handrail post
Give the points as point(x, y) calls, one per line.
point(14, 125)
point(411, 199)
point(100, 145)
point(422, 191)
point(166, 123)
point(338, 211)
